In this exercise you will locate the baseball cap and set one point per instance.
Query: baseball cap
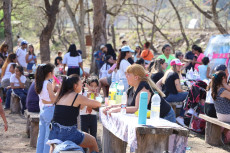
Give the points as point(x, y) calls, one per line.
point(102, 46)
point(176, 62)
point(220, 67)
point(24, 42)
point(126, 49)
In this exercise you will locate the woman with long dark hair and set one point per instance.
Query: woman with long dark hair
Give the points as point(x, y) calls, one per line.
point(158, 70)
point(3, 50)
point(122, 63)
point(137, 53)
point(73, 60)
point(199, 53)
point(31, 58)
point(111, 51)
point(67, 105)
point(44, 89)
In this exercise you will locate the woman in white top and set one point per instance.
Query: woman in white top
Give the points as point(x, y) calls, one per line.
point(6, 74)
point(122, 64)
point(73, 60)
point(44, 89)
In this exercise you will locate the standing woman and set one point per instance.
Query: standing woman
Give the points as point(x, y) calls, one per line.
point(158, 70)
point(122, 64)
point(30, 58)
point(200, 56)
point(73, 60)
point(44, 89)
point(167, 56)
point(3, 51)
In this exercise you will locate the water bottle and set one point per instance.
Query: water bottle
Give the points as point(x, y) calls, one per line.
point(120, 90)
point(155, 107)
point(142, 116)
point(112, 93)
point(123, 103)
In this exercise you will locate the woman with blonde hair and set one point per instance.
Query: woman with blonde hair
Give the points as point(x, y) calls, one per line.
point(158, 69)
point(141, 82)
point(170, 83)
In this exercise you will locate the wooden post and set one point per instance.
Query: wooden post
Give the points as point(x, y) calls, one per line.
point(34, 128)
point(213, 134)
point(28, 125)
point(15, 104)
point(111, 143)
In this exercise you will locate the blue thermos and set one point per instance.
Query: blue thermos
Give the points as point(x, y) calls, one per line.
point(143, 104)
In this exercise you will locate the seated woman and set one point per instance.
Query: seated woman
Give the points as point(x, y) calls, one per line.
point(32, 99)
point(64, 124)
point(17, 84)
point(158, 69)
point(172, 87)
point(137, 78)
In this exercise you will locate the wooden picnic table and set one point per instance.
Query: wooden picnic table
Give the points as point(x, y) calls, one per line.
point(159, 136)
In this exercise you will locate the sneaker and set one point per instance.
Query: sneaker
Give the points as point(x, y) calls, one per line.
point(180, 121)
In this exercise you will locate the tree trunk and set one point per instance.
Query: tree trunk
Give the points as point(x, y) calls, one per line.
point(79, 27)
point(99, 27)
point(7, 24)
point(181, 25)
point(113, 36)
point(51, 12)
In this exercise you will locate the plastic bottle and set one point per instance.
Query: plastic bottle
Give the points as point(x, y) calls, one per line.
point(142, 116)
point(112, 93)
point(123, 103)
point(120, 90)
point(155, 107)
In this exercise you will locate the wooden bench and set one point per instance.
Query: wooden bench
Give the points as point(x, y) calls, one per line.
point(15, 105)
point(213, 130)
point(32, 127)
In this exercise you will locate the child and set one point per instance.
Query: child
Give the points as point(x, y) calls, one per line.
point(2, 113)
point(46, 95)
point(204, 74)
point(17, 83)
point(31, 58)
point(89, 116)
point(105, 68)
point(8, 92)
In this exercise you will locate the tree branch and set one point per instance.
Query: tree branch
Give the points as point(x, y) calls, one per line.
point(200, 10)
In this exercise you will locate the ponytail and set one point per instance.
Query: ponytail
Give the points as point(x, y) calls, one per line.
point(41, 73)
point(153, 86)
point(216, 83)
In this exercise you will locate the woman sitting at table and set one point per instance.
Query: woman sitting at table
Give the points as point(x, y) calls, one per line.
point(158, 69)
point(140, 82)
point(67, 105)
point(172, 87)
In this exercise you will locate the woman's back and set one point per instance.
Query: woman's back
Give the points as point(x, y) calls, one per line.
point(169, 86)
point(67, 110)
point(222, 104)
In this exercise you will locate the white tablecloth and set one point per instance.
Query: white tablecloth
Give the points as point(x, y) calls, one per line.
point(124, 127)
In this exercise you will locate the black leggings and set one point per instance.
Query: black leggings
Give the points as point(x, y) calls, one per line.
point(73, 71)
point(210, 110)
point(89, 124)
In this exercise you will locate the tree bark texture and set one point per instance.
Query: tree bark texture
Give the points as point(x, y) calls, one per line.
point(51, 12)
point(7, 24)
point(99, 27)
point(78, 26)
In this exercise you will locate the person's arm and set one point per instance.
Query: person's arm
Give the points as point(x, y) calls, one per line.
point(2, 113)
point(178, 85)
point(51, 93)
point(159, 83)
point(81, 66)
point(82, 100)
point(35, 60)
point(208, 72)
point(225, 94)
point(27, 58)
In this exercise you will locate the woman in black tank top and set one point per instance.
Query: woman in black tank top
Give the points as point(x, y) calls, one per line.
point(64, 123)
point(140, 82)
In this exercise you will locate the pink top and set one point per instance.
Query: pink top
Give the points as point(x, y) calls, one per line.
point(199, 59)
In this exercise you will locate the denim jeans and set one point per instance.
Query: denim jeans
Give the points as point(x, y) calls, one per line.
point(64, 133)
point(46, 115)
point(180, 97)
point(22, 93)
point(89, 124)
point(8, 97)
point(171, 116)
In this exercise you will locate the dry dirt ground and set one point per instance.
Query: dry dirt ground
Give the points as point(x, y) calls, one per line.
point(16, 141)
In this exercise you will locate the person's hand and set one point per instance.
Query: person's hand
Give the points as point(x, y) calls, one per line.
point(112, 110)
point(89, 110)
point(106, 109)
point(6, 126)
point(18, 77)
point(8, 87)
point(83, 73)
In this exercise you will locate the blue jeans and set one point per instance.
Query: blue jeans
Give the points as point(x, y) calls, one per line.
point(46, 115)
point(180, 97)
point(22, 93)
point(64, 133)
point(8, 97)
point(171, 116)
